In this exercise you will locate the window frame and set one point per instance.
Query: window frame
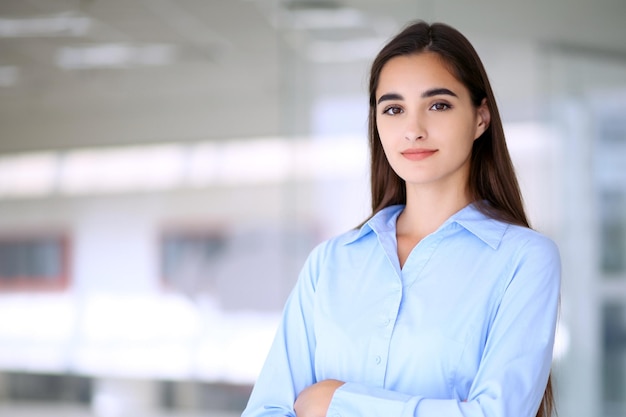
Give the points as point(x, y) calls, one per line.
point(34, 283)
point(199, 230)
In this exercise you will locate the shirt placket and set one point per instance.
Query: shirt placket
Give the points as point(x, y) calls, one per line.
point(378, 353)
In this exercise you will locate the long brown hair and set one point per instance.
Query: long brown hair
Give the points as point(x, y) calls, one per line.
point(492, 181)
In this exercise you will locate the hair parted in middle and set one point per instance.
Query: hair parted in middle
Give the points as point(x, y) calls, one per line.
point(492, 181)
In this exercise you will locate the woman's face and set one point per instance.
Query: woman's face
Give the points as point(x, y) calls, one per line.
point(426, 121)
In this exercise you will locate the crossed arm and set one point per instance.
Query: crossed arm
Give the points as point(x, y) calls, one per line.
point(314, 400)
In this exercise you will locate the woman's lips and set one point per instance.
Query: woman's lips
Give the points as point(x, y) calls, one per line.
point(418, 154)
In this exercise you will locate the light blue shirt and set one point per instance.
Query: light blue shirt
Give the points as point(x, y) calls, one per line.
point(465, 328)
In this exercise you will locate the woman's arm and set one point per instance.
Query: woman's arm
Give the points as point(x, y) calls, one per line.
point(288, 368)
point(314, 400)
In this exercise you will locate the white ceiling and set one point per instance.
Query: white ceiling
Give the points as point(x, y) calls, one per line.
point(186, 70)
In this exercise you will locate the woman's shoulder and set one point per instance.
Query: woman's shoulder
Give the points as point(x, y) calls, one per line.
point(328, 252)
point(524, 240)
point(345, 244)
point(523, 233)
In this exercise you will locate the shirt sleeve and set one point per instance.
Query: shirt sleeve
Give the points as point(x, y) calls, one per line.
point(289, 366)
point(516, 360)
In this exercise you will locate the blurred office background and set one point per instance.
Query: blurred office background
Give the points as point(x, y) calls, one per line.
point(167, 165)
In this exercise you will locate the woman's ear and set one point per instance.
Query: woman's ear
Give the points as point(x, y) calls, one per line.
point(483, 118)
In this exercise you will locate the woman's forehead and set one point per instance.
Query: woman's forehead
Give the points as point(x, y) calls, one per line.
point(417, 73)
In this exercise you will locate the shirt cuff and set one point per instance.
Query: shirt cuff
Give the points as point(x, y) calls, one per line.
point(357, 400)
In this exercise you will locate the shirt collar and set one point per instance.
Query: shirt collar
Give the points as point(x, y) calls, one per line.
point(487, 229)
point(383, 221)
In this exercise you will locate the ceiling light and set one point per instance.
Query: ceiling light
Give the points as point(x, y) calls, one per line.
point(115, 56)
point(117, 170)
point(27, 175)
point(62, 24)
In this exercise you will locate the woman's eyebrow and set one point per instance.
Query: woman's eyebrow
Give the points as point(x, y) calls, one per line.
point(437, 92)
point(390, 96)
point(426, 94)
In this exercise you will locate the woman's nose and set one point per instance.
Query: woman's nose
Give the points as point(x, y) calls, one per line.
point(413, 137)
point(414, 131)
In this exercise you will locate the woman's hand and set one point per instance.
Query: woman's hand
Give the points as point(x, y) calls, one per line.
point(314, 400)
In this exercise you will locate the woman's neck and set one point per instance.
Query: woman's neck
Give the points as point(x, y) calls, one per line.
point(427, 208)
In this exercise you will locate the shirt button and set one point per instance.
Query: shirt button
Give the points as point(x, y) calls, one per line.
point(377, 359)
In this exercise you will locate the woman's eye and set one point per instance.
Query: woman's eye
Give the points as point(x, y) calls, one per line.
point(391, 110)
point(440, 106)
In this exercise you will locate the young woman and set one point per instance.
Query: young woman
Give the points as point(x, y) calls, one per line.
point(444, 302)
